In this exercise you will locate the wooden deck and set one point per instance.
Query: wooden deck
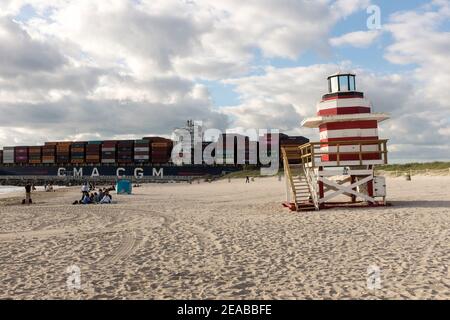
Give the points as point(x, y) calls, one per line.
point(333, 154)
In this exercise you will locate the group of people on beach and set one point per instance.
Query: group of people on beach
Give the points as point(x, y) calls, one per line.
point(88, 197)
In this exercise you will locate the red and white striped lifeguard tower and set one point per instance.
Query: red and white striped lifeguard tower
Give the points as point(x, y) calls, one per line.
point(342, 162)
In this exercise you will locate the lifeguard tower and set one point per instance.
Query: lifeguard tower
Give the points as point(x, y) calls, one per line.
point(339, 169)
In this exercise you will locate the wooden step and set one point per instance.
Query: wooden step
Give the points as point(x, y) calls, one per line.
point(306, 208)
point(304, 202)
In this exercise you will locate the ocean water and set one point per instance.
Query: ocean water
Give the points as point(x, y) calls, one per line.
point(9, 189)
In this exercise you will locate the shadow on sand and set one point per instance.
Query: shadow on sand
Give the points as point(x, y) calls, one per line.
point(421, 204)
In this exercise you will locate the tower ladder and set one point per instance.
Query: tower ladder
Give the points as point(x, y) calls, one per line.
point(298, 189)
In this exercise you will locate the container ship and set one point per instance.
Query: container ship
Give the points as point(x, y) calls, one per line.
point(146, 157)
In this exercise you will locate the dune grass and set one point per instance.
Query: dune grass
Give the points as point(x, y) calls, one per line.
point(252, 173)
point(414, 166)
point(437, 165)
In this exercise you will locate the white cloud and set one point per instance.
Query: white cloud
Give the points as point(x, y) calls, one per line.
point(200, 39)
point(358, 39)
point(20, 53)
point(73, 58)
point(418, 40)
point(445, 131)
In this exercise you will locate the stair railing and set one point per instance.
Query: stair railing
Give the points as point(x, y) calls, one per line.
point(312, 184)
point(288, 174)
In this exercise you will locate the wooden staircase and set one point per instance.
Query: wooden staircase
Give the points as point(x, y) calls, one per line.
point(298, 190)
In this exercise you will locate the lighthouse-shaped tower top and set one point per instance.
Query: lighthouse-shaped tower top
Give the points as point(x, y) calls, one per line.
point(343, 103)
point(347, 126)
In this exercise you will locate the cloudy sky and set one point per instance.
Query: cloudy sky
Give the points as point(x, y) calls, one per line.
point(86, 69)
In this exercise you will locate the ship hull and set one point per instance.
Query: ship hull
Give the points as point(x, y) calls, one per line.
point(136, 171)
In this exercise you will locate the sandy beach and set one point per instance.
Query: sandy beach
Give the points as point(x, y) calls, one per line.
point(226, 240)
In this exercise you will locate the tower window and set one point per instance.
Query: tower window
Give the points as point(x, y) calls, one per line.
point(334, 84)
point(343, 83)
point(352, 83)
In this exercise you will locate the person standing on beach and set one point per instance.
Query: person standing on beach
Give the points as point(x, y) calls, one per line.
point(247, 179)
point(28, 193)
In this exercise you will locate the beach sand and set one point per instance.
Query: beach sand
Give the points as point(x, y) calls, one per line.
point(226, 240)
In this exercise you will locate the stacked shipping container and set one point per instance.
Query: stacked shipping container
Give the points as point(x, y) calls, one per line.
point(265, 143)
point(21, 154)
point(233, 145)
point(49, 152)
point(8, 155)
point(251, 153)
point(161, 151)
point(125, 151)
point(221, 153)
point(63, 152)
point(109, 151)
point(77, 152)
point(155, 150)
point(293, 141)
point(142, 151)
point(241, 146)
point(93, 151)
point(35, 155)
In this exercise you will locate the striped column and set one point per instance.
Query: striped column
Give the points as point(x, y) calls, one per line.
point(358, 130)
point(348, 105)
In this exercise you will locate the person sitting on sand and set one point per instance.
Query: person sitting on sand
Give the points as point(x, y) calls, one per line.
point(101, 194)
point(86, 199)
point(48, 187)
point(107, 198)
